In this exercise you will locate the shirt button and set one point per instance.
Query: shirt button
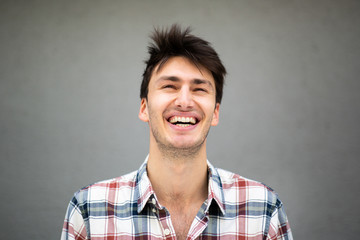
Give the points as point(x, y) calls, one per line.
point(153, 209)
point(167, 231)
point(153, 201)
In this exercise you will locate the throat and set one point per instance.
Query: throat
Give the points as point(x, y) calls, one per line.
point(182, 216)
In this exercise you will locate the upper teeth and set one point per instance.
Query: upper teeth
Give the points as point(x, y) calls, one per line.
point(183, 120)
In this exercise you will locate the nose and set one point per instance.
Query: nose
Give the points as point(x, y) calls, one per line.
point(184, 99)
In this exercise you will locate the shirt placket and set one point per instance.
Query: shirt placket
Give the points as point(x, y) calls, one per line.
point(165, 221)
point(198, 226)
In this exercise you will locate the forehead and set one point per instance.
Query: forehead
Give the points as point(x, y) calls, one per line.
point(183, 69)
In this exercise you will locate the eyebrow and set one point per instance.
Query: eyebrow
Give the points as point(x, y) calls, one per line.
point(196, 81)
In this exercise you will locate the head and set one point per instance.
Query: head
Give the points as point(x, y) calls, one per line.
point(175, 42)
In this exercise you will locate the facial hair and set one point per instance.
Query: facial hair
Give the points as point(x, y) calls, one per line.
point(170, 150)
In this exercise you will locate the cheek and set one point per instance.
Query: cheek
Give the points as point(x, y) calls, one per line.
point(157, 105)
point(207, 105)
point(160, 100)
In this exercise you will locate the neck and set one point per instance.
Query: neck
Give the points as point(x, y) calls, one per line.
point(178, 177)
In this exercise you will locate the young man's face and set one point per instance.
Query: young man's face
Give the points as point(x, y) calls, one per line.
point(180, 106)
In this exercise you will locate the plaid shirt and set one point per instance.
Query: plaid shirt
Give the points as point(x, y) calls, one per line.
point(127, 208)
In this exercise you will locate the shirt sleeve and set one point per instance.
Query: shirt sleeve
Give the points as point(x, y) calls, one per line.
point(74, 227)
point(279, 225)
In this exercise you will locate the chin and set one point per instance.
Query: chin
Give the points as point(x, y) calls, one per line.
point(187, 144)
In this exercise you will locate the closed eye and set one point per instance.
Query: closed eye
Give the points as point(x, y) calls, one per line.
point(200, 90)
point(169, 86)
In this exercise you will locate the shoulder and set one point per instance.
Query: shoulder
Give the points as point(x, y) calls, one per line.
point(241, 189)
point(103, 190)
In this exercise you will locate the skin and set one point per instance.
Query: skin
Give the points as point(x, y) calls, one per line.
point(177, 165)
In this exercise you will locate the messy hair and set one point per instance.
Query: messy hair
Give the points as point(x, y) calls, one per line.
point(174, 42)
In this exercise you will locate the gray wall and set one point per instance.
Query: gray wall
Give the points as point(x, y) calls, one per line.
point(69, 81)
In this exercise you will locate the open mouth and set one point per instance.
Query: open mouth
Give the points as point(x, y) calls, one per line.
point(183, 121)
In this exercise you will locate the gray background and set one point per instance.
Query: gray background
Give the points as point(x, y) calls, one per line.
point(70, 73)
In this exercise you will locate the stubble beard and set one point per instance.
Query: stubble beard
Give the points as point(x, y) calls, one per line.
point(174, 152)
point(171, 151)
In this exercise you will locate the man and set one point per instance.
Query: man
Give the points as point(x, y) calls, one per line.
point(177, 193)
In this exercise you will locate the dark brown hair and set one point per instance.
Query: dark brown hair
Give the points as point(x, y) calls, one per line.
point(173, 42)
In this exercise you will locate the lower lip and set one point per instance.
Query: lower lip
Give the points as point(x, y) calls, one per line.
point(178, 128)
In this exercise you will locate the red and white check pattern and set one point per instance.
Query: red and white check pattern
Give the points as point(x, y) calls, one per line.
point(127, 208)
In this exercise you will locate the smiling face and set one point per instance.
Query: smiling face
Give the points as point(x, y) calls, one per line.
point(181, 106)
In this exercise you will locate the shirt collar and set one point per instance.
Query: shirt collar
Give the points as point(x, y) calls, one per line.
point(144, 190)
point(215, 188)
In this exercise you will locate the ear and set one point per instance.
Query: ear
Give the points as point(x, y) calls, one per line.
point(143, 113)
point(215, 119)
